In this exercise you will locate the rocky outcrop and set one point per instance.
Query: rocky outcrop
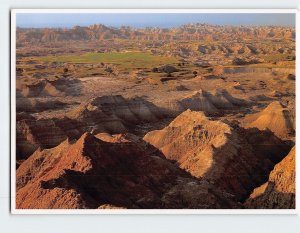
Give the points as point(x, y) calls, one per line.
point(279, 191)
point(198, 101)
point(275, 117)
point(165, 69)
point(291, 77)
point(93, 173)
point(115, 114)
point(232, 158)
point(32, 105)
point(111, 114)
point(246, 61)
point(49, 87)
point(216, 102)
point(39, 89)
point(32, 134)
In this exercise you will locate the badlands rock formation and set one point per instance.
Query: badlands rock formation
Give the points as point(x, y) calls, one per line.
point(115, 114)
point(94, 106)
point(50, 87)
point(275, 117)
point(32, 134)
point(93, 173)
point(211, 103)
point(112, 114)
point(32, 105)
point(279, 191)
point(185, 32)
point(230, 157)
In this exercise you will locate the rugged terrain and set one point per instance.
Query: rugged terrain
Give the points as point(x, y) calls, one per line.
point(279, 190)
point(199, 116)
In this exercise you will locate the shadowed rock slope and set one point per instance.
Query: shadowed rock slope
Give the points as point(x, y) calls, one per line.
point(216, 102)
point(111, 114)
point(279, 191)
point(32, 133)
point(49, 87)
point(110, 173)
point(30, 105)
point(232, 158)
point(115, 114)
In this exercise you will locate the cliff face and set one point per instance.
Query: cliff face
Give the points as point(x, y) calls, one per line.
point(279, 191)
point(232, 158)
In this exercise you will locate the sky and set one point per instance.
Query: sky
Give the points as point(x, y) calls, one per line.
point(138, 20)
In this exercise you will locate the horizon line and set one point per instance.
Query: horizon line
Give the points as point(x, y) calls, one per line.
point(159, 20)
point(146, 26)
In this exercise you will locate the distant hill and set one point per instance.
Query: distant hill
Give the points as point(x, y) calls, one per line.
point(185, 32)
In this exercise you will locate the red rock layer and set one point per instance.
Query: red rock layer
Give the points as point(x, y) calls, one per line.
point(115, 173)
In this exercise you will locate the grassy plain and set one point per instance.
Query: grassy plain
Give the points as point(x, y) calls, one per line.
point(123, 60)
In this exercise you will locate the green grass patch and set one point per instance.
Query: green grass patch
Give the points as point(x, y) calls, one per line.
point(123, 60)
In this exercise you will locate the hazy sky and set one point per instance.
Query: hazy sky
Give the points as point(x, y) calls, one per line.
point(152, 19)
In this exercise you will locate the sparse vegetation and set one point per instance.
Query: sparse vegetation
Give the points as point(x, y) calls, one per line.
point(127, 60)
